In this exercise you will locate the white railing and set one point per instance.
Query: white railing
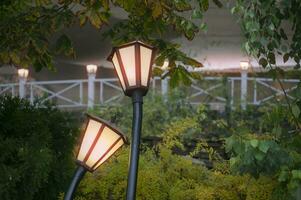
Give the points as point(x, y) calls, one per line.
point(214, 91)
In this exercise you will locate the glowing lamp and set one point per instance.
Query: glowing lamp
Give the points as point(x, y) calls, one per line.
point(133, 63)
point(91, 69)
point(100, 141)
point(165, 65)
point(23, 73)
point(244, 65)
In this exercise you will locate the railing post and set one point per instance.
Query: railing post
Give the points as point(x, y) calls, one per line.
point(81, 93)
point(31, 94)
point(22, 75)
point(244, 89)
point(164, 87)
point(91, 69)
point(232, 93)
point(101, 92)
point(244, 66)
point(255, 92)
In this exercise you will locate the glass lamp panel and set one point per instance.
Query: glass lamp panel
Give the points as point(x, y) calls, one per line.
point(118, 70)
point(90, 134)
point(146, 56)
point(127, 55)
point(105, 141)
point(110, 153)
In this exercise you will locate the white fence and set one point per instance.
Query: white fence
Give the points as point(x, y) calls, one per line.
point(214, 91)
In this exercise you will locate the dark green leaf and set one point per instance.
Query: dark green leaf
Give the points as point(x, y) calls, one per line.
point(263, 62)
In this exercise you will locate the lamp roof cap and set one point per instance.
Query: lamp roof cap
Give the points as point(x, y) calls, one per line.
point(108, 124)
point(110, 57)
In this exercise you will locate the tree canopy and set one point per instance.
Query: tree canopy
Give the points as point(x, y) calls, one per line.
point(29, 28)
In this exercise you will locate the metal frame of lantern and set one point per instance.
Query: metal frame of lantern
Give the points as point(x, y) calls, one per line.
point(97, 145)
point(140, 81)
point(133, 67)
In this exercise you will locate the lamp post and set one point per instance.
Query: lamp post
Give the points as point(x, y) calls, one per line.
point(100, 141)
point(91, 70)
point(244, 66)
point(22, 75)
point(133, 64)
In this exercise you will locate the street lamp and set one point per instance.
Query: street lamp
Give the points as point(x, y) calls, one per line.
point(133, 63)
point(22, 74)
point(244, 66)
point(100, 141)
point(91, 70)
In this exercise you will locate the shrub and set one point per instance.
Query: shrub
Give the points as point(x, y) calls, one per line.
point(164, 175)
point(36, 146)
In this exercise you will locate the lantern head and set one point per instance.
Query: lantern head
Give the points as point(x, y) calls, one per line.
point(100, 141)
point(133, 63)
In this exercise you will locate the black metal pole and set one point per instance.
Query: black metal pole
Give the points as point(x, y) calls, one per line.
point(137, 99)
point(77, 177)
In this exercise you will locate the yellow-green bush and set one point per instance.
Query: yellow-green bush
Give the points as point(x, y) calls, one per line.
point(164, 176)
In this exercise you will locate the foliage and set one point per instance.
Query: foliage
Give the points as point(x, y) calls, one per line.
point(157, 112)
point(275, 151)
point(163, 175)
point(271, 28)
point(27, 28)
point(36, 147)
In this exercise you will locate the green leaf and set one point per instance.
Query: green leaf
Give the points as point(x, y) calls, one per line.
point(271, 57)
point(218, 3)
point(283, 176)
point(286, 57)
point(229, 144)
point(296, 174)
point(196, 14)
point(14, 57)
point(204, 4)
point(157, 10)
point(82, 19)
point(64, 45)
point(254, 143)
point(259, 156)
point(263, 62)
point(233, 161)
point(283, 34)
point(296, 110)
point(264, 146)
point(203, 27)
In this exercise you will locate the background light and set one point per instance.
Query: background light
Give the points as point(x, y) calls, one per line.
point(23, 73)
point(133, 63)
point(165, 65)
point(99, 143)
point(91, 69)
point(244, 65)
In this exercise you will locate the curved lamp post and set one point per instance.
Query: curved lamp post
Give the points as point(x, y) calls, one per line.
point(133, 64)
point(100, 141)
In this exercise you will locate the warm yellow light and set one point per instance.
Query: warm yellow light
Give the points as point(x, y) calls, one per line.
point(99, 143)
point(133, 62)
point(23, 73)
point(244, 65)
point(91, 69)
point(165, 65)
